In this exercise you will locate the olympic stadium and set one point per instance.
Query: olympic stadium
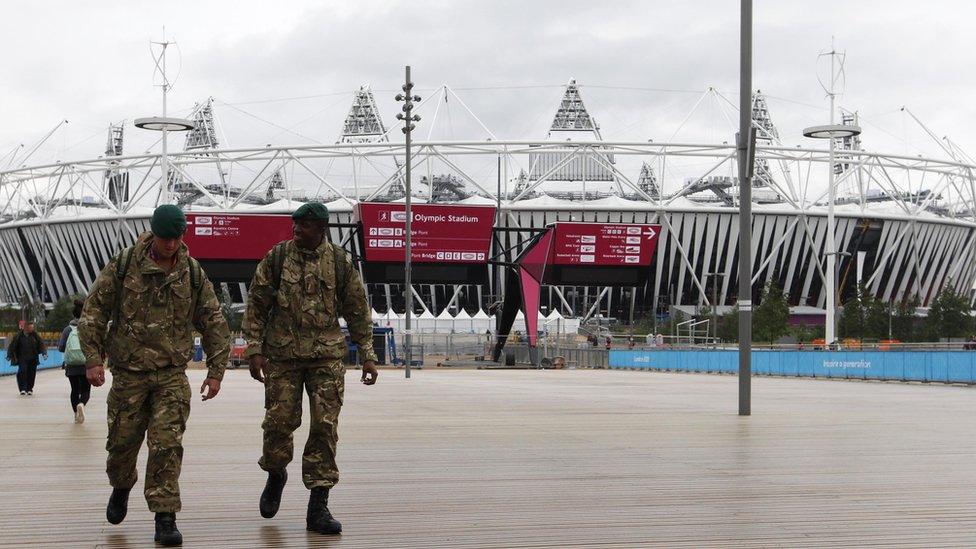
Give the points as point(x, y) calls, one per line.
point(905, 225)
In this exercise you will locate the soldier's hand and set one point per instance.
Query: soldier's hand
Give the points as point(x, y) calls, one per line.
point(369, 372)
point(96, 375)
point(210, 388)
point(256, 365)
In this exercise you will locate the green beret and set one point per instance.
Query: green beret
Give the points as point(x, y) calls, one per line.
point(168, 221)
point(312, 210)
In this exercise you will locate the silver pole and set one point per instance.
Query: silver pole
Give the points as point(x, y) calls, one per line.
point(497, 274)
point(408, 86)
point(744, 146)
point(831, 323)
point(164, 161)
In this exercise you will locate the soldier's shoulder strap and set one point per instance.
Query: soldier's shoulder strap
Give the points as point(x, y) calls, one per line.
point(196, 274)
point(277, 265)
point(341, 281)
point(122, 262)
point(337, 254)
point(196, 282)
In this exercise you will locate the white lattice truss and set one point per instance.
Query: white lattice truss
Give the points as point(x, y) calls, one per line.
point(51, 245)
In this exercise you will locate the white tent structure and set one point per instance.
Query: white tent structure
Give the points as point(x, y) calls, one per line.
point(466, 323)
point(555, 323)
point(481, 322)
point(426, 323)
point(463, 323)
point(444, 323)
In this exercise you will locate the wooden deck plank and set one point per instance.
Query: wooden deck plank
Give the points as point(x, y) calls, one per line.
point(533, 459)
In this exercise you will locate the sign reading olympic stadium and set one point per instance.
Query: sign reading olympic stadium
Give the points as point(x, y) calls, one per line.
point(450, 244)
point(440, 234)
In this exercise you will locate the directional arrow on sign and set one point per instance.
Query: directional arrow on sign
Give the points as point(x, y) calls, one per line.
point(650, 233)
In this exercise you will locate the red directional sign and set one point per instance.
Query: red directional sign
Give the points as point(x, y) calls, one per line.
point(441, 233)
point(603, 244)
point(218, 236)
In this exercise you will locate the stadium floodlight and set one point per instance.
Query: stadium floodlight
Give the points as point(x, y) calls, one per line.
point(831, 131)
point(164, 124)
point(159, 123)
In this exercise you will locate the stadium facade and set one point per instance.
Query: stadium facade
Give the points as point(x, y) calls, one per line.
point(60, 223)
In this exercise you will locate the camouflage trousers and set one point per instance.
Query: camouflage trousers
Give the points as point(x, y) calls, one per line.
point(283, 387)
point(157, 402)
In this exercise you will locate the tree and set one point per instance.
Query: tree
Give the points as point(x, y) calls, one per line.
point(670, 327)
point(806, 334)
point(903, 320)
point(728, 325)
point(948, 316)
point(852, 319)
point(771, 319)
point(9, 316)
point(31, 308)
point(875, 317)
point(864, 316)
point(61, 314)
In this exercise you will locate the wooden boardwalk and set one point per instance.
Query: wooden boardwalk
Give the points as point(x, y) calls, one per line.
point(532, 459)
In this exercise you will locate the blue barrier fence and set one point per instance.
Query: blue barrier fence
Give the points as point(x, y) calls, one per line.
point(937, 366)
point(54, 360)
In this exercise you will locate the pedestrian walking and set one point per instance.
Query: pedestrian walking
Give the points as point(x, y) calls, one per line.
point(299, 291)
point(74, 364)
point(155, 296)
point(23, 352)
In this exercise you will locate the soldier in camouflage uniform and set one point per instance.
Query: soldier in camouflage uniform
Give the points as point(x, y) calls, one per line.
point(155, 295)
point(299, 291)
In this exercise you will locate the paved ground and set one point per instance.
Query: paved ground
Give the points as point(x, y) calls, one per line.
point(533, 459)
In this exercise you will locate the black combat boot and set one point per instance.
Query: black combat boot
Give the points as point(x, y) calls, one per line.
point(319, 519)
point(271, 496)
point(118, 505)
point(166, 531)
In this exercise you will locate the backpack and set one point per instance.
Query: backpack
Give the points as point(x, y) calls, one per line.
point(73, 355)
point(122, 262)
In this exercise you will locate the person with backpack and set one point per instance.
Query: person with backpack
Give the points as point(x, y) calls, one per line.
point(23, 352)
point(299, 291)
point(155, 295)
point(74, 364)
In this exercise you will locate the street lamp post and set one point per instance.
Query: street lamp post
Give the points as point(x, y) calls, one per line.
point(832, 132)
point(408, 126)
point(745, 151)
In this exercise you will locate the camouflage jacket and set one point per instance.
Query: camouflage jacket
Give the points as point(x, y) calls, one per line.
point(155, 323)
point(302, 322)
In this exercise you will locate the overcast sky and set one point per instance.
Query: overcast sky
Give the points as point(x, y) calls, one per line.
point(642, 65)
